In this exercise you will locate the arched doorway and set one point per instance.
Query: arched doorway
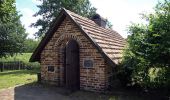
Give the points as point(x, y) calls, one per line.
point(72, 70)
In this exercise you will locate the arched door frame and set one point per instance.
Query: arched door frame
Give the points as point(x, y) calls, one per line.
point(72, 66)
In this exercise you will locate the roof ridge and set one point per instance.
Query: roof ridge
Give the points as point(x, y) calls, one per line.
point(96, 39)
point(108, 29)
point(92, 40)
point(70, 12)
point(110, 33)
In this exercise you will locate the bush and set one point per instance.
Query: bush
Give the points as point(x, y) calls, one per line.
point(148, 49)
point(30, 65)
point(23, 58)
point(141, 75)
point(124, 75)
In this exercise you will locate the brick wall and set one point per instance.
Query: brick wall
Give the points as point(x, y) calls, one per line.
point(93, 79)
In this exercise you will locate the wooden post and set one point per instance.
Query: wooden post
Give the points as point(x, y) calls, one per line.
point(2, 67)
point(39, 77)
point(19, 65)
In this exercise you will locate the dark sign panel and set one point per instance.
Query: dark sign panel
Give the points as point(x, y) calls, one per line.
point(88, 63)
point(51, 68)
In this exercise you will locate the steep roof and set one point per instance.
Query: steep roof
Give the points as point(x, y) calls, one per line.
point(107, 41)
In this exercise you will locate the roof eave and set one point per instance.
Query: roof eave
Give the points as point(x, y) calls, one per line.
point(108, 60)
point(36, 54)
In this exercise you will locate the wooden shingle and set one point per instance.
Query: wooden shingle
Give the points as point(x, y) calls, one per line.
point(111, 42)
point(107, 41)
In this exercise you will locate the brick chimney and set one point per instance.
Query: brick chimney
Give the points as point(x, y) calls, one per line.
point(99, 20)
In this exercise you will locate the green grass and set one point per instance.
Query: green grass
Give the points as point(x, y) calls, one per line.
point(17, 77)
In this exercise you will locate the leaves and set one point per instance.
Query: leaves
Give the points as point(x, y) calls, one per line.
point(51, 8)
point(149, 45)
point(154, 38)
point(12, 33)
point(30, 45)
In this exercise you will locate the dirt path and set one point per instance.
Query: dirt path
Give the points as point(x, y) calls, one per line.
point(39, 92)
point(43, 93)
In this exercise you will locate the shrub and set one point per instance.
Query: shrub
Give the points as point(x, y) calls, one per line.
point(148, 49)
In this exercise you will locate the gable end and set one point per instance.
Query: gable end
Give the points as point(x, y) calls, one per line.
point(36, 54)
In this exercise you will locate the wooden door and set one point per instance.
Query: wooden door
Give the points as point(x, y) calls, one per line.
point(72, 73)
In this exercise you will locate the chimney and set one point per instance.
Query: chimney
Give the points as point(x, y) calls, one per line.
point(99, 20)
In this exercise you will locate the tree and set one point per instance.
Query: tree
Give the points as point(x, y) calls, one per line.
point(49, 9)
point(149, 47)
point(152, 41)
point(12, 33)
point(30, 45)
point(108, 24)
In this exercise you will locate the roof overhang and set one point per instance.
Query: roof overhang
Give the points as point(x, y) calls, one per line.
point(63, 14)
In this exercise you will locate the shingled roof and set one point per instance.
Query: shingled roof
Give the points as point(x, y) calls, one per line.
point(107, 41)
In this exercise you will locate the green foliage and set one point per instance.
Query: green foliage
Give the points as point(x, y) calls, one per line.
point(23, 57)
point(12, 33)
point(30, 45)
point(108, 24)
point(149, 48)
point(50, 9)
point(17, 57)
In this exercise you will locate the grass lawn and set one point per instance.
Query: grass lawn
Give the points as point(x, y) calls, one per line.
point(17, 77)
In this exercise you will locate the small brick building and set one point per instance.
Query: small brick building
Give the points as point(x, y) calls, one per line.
point(79, 53)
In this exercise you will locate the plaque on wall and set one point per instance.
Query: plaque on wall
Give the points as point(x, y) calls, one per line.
point(51, 68)
point(88, 63)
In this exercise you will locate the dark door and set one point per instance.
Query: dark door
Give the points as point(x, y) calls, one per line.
point(72, 77)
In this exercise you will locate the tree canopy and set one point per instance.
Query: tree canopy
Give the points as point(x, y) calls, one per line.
point(12, 33)
point(30, 45)
point(149, 46)
point(49, 9)
point(152, 41)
